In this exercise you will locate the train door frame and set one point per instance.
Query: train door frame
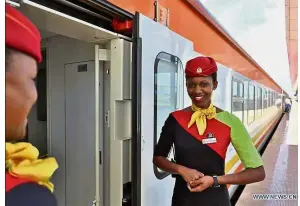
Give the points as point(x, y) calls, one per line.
point(146, 46)
point(90, 33)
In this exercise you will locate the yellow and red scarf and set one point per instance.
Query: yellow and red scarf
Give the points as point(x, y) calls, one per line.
point(200, 115)
point(21, 161)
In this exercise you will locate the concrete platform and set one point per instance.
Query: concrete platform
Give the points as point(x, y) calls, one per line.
point(281, 166)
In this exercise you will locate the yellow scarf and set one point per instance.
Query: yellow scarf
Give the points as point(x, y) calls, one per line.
point(199, 116)
point(21, 160)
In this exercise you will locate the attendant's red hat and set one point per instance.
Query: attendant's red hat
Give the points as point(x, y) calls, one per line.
point(200, 66)
point(21, 34)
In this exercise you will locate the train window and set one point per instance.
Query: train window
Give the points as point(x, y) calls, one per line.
point(237, 107)
point(259, 102)
point(270, 99)
point(265, 98)
point(278, 100)
point(168, 93)
point(237, 89)
point(251, 104)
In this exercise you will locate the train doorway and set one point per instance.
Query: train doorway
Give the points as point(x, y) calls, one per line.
point(73, 119)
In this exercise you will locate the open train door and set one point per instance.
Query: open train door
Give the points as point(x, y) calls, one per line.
point(159, 57)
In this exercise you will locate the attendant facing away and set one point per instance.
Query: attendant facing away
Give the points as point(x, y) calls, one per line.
point(27, 178)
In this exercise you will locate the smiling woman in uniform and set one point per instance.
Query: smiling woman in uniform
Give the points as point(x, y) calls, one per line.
point(200, 135)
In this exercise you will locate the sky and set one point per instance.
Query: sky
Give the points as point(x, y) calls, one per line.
point(259, 27)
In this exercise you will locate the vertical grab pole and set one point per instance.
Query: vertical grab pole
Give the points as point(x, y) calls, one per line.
point(97, 101)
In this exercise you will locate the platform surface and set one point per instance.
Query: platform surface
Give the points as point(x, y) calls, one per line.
point(280, 188)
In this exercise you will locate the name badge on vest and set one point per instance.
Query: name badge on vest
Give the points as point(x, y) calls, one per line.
point(210, 139)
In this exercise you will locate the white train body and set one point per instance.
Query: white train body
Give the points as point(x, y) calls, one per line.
point(100, 110)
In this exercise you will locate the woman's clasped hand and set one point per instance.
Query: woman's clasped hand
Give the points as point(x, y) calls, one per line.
point(196, 181)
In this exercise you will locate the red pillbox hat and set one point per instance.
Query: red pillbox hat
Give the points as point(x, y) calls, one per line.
point(200, 66)
point(21, 34)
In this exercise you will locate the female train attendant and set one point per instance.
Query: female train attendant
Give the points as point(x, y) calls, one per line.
point(27, 178)
point(200, 135)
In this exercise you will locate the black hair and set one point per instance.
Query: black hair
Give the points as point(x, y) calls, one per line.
point(213, 75)
point(8, 54)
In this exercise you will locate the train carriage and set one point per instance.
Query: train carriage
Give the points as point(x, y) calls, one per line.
point(112, 72)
